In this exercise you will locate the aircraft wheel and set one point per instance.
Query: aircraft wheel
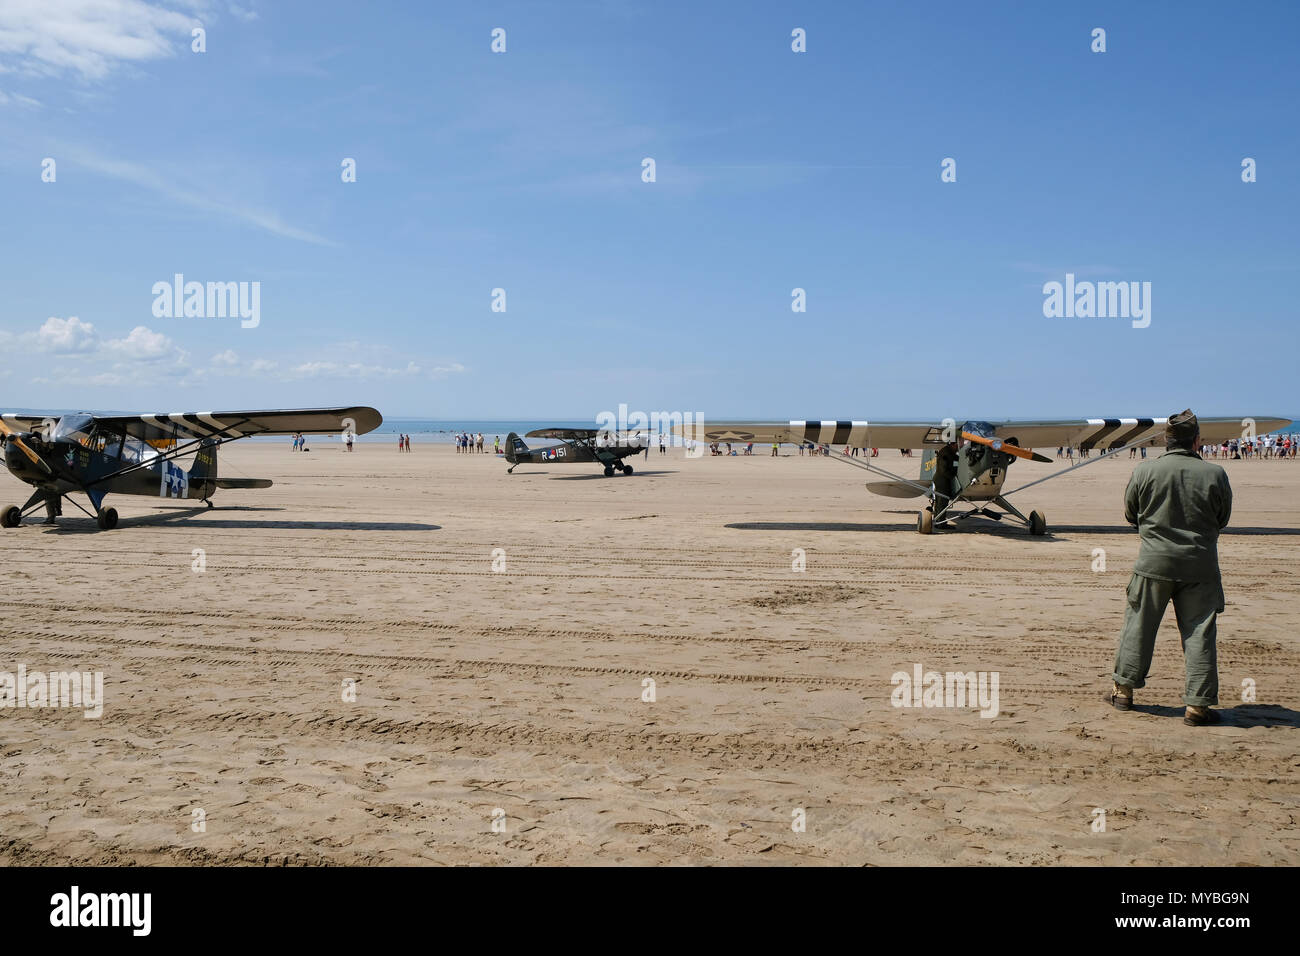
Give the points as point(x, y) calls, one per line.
point(609, 471)
point(925, 521)
point(107, 519)
point(627, 469)
point(1037, 523)
point(11, 517)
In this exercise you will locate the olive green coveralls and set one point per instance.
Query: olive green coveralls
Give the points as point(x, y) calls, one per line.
point(1180, 503)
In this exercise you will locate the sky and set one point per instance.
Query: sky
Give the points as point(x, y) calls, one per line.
point(774, 170)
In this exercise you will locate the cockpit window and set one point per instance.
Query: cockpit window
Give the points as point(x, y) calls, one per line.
point(137, 450)
point(983, 429)
point(75, 428)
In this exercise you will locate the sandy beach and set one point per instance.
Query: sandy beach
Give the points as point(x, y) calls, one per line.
point(515, 694)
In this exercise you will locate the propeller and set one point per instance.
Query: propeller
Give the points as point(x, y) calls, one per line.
point(997, 444)
point(12, 437)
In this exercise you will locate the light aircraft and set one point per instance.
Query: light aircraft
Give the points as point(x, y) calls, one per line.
point(579, 445)
point(137, 454)
point(967, 464)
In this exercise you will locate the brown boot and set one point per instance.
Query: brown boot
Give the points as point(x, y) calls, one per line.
point(1121, 697)
point(1200, 716)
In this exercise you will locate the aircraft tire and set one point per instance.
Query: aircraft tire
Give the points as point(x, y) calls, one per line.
point(627, 469)
point(609, 471)
point(925, 521)
point(107, 519)
point(11, 517)
point(1037, 523)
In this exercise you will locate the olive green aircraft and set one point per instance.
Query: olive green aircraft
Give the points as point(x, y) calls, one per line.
point(964, 466)
point(97, 455)
point(578, 445)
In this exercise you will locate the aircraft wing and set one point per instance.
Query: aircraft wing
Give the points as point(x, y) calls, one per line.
point(230, 425)
point(882, 434)
point(564, 434)
point(1086, 432)
point(24, 423)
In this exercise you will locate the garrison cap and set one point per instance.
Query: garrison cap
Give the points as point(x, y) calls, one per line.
point(1182, 428)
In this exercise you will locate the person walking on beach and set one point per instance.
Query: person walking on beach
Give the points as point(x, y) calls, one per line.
point(1179, 503)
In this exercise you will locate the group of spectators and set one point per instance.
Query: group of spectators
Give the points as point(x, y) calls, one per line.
point(1262, 446)
point(467, 442)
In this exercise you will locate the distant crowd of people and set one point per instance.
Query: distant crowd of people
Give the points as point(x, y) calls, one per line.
point(466, 443)
point(850, 451)
point(1262, 446)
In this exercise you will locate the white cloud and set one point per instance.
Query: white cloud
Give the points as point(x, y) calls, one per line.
point(75, 338)
point(69, 335)
point(144, 345)
point(146, 357)
point(357, 370)
point(247, 15)
point(91, 38)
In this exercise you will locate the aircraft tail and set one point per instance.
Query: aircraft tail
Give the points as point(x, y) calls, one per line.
point(908, 489)
point(203, 478)
point(515, 447)
point(203, 473)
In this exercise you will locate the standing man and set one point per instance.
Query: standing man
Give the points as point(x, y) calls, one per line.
point(1179, 503)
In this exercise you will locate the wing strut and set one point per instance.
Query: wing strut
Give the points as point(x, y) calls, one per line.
point(1082, 464)
point(877, 470)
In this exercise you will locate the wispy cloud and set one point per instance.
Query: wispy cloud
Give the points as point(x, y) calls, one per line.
point(17, 99)
point(89, 39)
point(247, 14)
point(205, 198)
point(346, 360)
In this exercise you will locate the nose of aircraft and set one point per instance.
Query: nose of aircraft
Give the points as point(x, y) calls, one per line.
point(21, 460)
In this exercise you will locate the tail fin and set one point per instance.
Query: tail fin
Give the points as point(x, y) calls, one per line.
point(203, 474)
point(515, 447)
point(929, 465)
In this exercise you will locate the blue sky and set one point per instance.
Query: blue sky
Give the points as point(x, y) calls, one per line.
point(775, 170)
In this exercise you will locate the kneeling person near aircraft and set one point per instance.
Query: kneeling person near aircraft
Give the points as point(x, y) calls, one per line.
point(1179, 503)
